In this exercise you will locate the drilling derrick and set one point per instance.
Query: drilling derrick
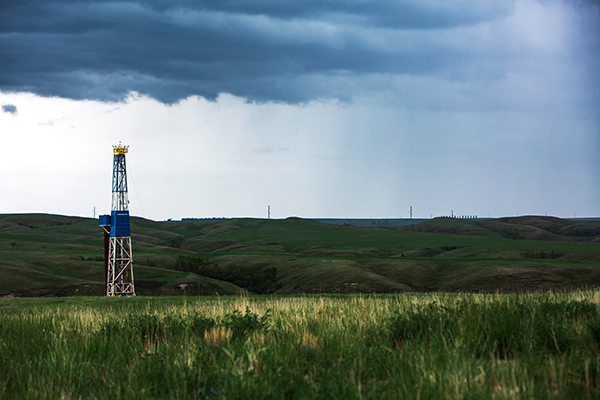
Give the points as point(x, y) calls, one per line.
point(117, 232)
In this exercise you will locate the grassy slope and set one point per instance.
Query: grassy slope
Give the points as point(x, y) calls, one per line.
point(49, 254)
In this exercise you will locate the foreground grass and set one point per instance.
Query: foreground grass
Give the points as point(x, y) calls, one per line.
point(386, 346)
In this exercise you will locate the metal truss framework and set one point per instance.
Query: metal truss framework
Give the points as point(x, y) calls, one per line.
point(119, 265)
point(120, 268)
point(120, 201)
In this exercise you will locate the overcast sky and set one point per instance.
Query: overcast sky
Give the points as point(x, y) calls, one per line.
point(318, 108)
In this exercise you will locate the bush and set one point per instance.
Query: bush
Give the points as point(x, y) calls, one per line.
point(257, 279)
point(177, 242)
point(191, 263)
point(511, 235)
point(541, 254)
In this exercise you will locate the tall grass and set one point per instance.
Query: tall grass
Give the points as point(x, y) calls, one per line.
point(384, 346)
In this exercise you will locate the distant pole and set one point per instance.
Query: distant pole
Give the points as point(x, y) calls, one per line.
point(410, 212)
point(269, 212)
point(94, 212)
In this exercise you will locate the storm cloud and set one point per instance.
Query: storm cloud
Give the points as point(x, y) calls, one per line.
point(282, 51)
point(9, 108)
point(318, 108)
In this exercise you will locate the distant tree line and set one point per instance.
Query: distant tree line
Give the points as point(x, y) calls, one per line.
point(459, 216)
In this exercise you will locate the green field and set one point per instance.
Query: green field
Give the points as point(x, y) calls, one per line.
point(51, 255)
point(429, 346)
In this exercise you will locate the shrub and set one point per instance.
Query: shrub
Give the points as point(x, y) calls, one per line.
point(511, 235)
point(177, 242)
point(257, 279)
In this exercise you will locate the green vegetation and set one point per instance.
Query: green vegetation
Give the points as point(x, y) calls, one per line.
point(255, 278)
point(446, 346)
point(50, 255)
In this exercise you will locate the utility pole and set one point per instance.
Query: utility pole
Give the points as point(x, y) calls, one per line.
point(269, 212)
point(410, 212)
point(117, 232)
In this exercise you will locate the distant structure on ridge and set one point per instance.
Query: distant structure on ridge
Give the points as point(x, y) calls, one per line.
point(117, 233)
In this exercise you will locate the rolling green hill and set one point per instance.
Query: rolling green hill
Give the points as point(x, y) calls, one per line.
point(58, 255)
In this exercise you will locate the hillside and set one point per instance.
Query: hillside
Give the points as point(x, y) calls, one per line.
point(528, 227)
point(58, 255)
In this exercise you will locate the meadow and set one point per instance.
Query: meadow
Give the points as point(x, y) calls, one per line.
point(53, 255)
point(385, 346)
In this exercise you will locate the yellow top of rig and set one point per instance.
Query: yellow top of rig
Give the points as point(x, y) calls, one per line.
point(120, 149)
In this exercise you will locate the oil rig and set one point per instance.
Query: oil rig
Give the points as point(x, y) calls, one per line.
point(118, 258)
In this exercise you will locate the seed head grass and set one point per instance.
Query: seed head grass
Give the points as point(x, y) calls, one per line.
point(445, 346)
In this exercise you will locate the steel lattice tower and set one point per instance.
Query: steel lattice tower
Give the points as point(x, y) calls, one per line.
point(117, 232)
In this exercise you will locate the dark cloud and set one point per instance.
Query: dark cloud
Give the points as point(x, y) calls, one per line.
point(389, 13)
point(264, 50)
point(260, 50)
point(9, 108)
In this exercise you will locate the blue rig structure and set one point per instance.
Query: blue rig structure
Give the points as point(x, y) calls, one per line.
point(118, 255)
